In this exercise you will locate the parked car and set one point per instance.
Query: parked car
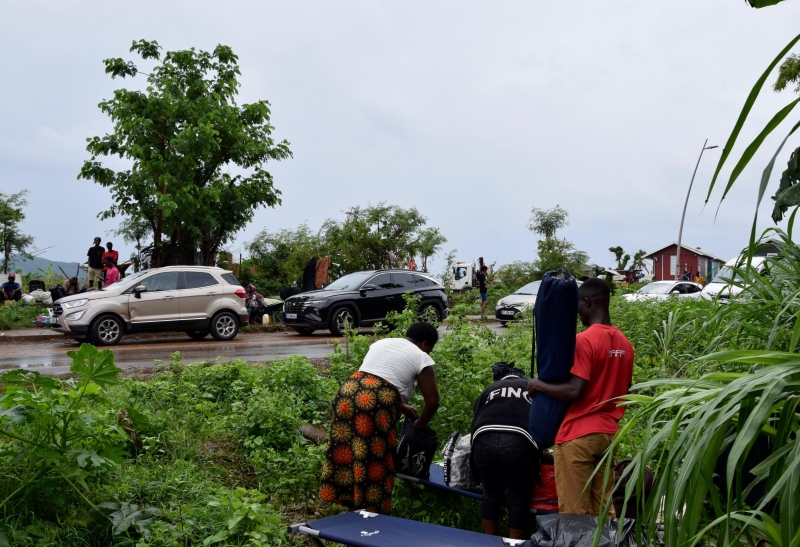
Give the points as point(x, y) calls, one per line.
point(362, 299)
point(661, 290)
point(509, 306)
point(726, 282)
point(194, 299)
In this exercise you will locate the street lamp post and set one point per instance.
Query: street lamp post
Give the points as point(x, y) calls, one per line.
point(683, 216)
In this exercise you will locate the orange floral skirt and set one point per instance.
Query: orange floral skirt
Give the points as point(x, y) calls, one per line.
point(359, 464)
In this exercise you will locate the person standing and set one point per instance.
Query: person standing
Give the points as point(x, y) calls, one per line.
point(358, 470)
point(253, 301)
point(482, 279)
point(95, 263)
point(11, 290)
point(503, 452)
point(602, 371)
point(110, 253)
point(111, 274)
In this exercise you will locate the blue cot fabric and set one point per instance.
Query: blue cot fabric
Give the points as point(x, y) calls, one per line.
point(556, 312)
point(384, 531)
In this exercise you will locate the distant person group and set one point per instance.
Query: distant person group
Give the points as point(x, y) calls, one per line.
point(102, 264)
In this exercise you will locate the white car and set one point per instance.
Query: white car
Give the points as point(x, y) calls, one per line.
point(727, 282)
point(508, 307)
point(523, 298)
point(662, 290)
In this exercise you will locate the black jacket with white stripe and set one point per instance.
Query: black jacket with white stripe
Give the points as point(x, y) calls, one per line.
point(503, 407)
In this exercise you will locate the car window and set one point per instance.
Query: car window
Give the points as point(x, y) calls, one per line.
point(681, 288)
point(422, 281)
point(406, 281)
point(195, 280)
point(459, 273)
point(166, 281)
point(381, 281)
point(691, 289)
point(230, 279)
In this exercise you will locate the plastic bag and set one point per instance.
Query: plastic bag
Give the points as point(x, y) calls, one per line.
point(544, 496)
point(457, 468)
point(578, 531)
point(415, 450)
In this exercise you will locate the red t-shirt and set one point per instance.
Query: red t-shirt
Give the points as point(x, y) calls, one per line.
point(113, 255)
point(604, 358)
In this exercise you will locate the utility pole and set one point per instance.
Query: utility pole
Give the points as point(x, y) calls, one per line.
point(683, 216)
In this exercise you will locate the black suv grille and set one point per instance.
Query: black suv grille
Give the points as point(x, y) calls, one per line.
point(57, 309)
point(293, 306)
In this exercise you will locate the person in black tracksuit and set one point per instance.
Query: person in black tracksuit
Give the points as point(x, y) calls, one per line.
point(503, 453)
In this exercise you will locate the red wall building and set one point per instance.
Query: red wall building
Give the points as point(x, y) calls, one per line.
point(692, 259)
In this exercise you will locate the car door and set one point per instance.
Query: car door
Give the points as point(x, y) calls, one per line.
point(374, 304)
point(691, 290)
point(403, 283)
point(199, 300)
point(159, 305)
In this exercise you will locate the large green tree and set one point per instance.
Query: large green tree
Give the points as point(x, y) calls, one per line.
point(554, 253)
point(376, 236)
point(12, 240)
point(182, 136)
point(371, 237)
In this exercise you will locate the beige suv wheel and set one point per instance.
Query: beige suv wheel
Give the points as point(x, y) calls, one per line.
point(106, 330)
point(224, 326)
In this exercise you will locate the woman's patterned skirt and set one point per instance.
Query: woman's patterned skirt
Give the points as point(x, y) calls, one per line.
point(359, 466)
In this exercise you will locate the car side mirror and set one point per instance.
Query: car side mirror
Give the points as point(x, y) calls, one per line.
point(137, 291)
point(366, 288)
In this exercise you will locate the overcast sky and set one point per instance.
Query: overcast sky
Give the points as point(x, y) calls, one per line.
point(474, 112)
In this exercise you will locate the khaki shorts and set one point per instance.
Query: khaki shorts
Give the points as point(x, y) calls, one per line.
point(95, 273)
point(575, 461)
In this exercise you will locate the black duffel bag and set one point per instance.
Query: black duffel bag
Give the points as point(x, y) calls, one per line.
point(415, 450)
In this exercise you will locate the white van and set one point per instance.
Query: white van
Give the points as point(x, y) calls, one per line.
point(720, 286)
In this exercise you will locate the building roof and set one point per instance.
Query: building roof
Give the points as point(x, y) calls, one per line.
point(690, 249)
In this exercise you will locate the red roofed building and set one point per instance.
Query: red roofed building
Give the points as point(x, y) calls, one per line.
point(692, 259)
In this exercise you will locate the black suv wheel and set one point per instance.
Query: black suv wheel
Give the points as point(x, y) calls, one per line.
point(224, 326)
point(430, 313)
point(106, 330)
point(340, 318)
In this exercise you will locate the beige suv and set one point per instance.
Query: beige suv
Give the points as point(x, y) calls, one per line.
point(194, 299)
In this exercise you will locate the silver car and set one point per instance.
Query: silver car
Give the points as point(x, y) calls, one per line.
point(508, 307)
point(194, 299)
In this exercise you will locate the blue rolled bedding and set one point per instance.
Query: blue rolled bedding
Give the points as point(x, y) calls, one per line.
point(555, 325)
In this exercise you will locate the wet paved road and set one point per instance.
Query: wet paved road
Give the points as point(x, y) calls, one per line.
point(49, 356)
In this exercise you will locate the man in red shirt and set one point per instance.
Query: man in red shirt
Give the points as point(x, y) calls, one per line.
point(601, 372)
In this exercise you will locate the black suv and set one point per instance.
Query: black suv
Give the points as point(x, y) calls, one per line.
point(362, 299)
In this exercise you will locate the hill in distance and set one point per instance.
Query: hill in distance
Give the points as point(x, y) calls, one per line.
point(41, 263)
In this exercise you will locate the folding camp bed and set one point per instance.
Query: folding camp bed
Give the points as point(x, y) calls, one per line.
point(436, 480)
point(364, 529)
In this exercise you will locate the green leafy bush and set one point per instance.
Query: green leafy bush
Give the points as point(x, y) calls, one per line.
point(17, 315)
point(60, 436)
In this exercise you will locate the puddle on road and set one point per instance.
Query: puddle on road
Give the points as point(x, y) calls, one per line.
point(22, 363)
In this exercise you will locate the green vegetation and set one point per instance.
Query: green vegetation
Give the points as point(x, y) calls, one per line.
point(12, 240)
point(16, 315)
point(371, 237)
point(210, 453)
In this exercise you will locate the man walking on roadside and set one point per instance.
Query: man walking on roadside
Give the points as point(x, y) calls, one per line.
point(95, 264)
point(601, 372)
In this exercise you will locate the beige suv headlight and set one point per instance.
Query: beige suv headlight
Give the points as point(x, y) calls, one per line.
point(75, 303)
point(75, 316)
